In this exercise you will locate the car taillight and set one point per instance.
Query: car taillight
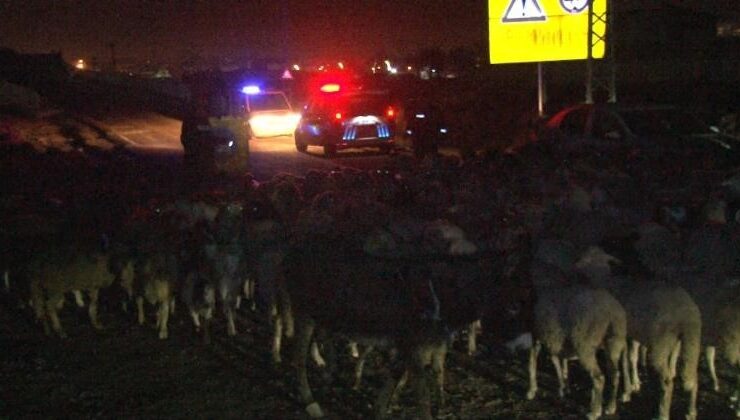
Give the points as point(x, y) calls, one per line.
point(390, 112)
point(338, 116)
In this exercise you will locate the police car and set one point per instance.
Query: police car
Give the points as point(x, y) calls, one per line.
point(268, 111)
point(341, 117)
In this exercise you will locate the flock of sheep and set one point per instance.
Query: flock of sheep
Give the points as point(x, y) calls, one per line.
point(584, 251)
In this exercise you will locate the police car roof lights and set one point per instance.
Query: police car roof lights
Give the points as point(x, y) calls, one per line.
point(251, 90)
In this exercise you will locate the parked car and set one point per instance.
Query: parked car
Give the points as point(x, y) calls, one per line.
point(338, 117)
point(670, 131)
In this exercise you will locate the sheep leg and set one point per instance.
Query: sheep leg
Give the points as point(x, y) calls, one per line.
point(163, 317)
point(474, 330)
point(559, 372)
point(735, 397)
point(634, 358)
point(78, 298)
point(250, 294)
point(534, 352)
point(316, 355)
point(421, 386)
point(616, 349)
point(231, 325)
point(6, 280)
point(587, 357)
point(673, 359)
point(196, 319)
point(303, 343)
point(438, 367)
point(140, 309)
point(353, 350)
point(93, 310)
point(39, 307)
point(711, 353)
point(52, 307)
point(661, 356)
point(207, 318)
point(172, 305)
point(627, 388)
point(643, 356)
point(392, 386)
point(360, 365)
point(277, 338)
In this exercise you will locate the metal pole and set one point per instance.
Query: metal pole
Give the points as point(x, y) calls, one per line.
point(540, 91)
point(589, 58)
point(612, 58)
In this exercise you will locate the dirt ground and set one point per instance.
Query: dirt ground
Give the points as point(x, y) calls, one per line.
point(125, 371)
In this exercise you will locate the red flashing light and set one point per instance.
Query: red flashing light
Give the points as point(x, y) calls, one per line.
point(338, 116)
point(330, 88)
point(390, 112)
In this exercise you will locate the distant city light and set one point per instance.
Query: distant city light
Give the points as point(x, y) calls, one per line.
point(296, 67)
point(340, 65)
point(251, 90)
point(80, 64)
point(389, 68)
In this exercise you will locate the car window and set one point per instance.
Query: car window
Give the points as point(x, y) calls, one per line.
point(352, 104)
point(574, 124)
point(268, 102)
point(663, 122)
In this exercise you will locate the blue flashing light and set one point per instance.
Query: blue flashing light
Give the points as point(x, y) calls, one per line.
point(251, 90)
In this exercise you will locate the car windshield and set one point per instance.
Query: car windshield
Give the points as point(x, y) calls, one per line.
point(365, 104)
point(664, 121)
point(268, 102)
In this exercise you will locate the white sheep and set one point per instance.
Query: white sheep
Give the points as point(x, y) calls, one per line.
point(661, 317)
point(581, 319)
point(52, 276)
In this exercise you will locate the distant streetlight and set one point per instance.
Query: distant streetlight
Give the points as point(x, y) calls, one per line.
point(80, 64)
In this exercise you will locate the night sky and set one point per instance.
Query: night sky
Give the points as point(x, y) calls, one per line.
point(171, 31)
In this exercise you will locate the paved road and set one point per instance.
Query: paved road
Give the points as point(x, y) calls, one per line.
point(155, 134)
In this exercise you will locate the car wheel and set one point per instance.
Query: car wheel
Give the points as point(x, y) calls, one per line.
point(300, 145)
point(330, 150)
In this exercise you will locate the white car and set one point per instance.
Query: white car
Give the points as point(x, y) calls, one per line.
point(269, 113)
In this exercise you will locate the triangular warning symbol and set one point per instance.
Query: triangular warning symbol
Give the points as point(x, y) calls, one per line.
point(524, 11)
point(287, 75)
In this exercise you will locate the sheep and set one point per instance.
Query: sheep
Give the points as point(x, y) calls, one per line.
point(583, 319)
point(343, 294)
point(54, 273)
point(720, 302)
point(214, 280)
point(709, 260)
point(151, 276)
point(663, 318)
point(214, 275)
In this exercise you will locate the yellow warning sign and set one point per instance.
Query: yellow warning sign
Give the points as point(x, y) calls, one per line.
point(522, 31)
